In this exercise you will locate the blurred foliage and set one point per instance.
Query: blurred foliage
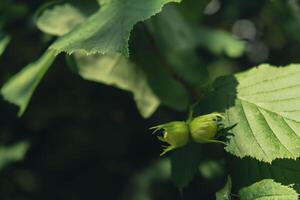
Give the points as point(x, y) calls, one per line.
point(225, 192)
point(3, 43)
point(12, 153)
point(20, 88)
point(85, 140)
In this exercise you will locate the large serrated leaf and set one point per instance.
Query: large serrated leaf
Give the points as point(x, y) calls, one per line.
point(111, 69)
point(118, 71)
point(19, 89)
point(267, 189)
point(108, 30)
point(265, 104)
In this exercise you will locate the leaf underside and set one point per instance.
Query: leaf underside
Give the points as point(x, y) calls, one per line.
point(118, 71)
point(60, 19)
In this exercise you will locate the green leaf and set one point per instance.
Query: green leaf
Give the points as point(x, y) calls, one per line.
point(184, 164)
point(19, 89)
point(224, 193)
point(3, 43)
point(211, 169)
point(193, 9)
point(176, 41)
point(220, 42)
point(118, 71)
point(143, 182)
point(60, 19)
point(108, 30)
point(169, 90)
point(247, 171)
point(104, 2)
point(110, 69)
point(265, 104)
point(12, 153)
point(268, 190)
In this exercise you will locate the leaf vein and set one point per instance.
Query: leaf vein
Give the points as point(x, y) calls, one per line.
point(254, 136)
point(273, 132)
point(271, 91)
point(279, 114)
point(272, 79)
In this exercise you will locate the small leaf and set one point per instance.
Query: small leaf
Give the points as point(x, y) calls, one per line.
point(265, 104)
point(220, 42)
point(19, 89)
point(104, 2)
point(118, 71)
point(108, 30)
point(60, 19)
point(3, 43)
point(184, 164)
point(142, 183)
point(224, 193)
point(12, 153)
point(267, 189)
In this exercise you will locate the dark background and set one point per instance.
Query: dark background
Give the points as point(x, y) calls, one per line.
point(87, 140)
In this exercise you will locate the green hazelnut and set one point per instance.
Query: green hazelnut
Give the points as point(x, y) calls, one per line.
point(205, 127)
point(175, 134)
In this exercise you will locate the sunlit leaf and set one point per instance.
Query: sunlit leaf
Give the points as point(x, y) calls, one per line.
point(265, 104)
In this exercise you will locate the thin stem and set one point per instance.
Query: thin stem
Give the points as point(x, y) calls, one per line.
point(191, 111)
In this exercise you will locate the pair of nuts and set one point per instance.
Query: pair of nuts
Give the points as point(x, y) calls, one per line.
point(201, 129)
